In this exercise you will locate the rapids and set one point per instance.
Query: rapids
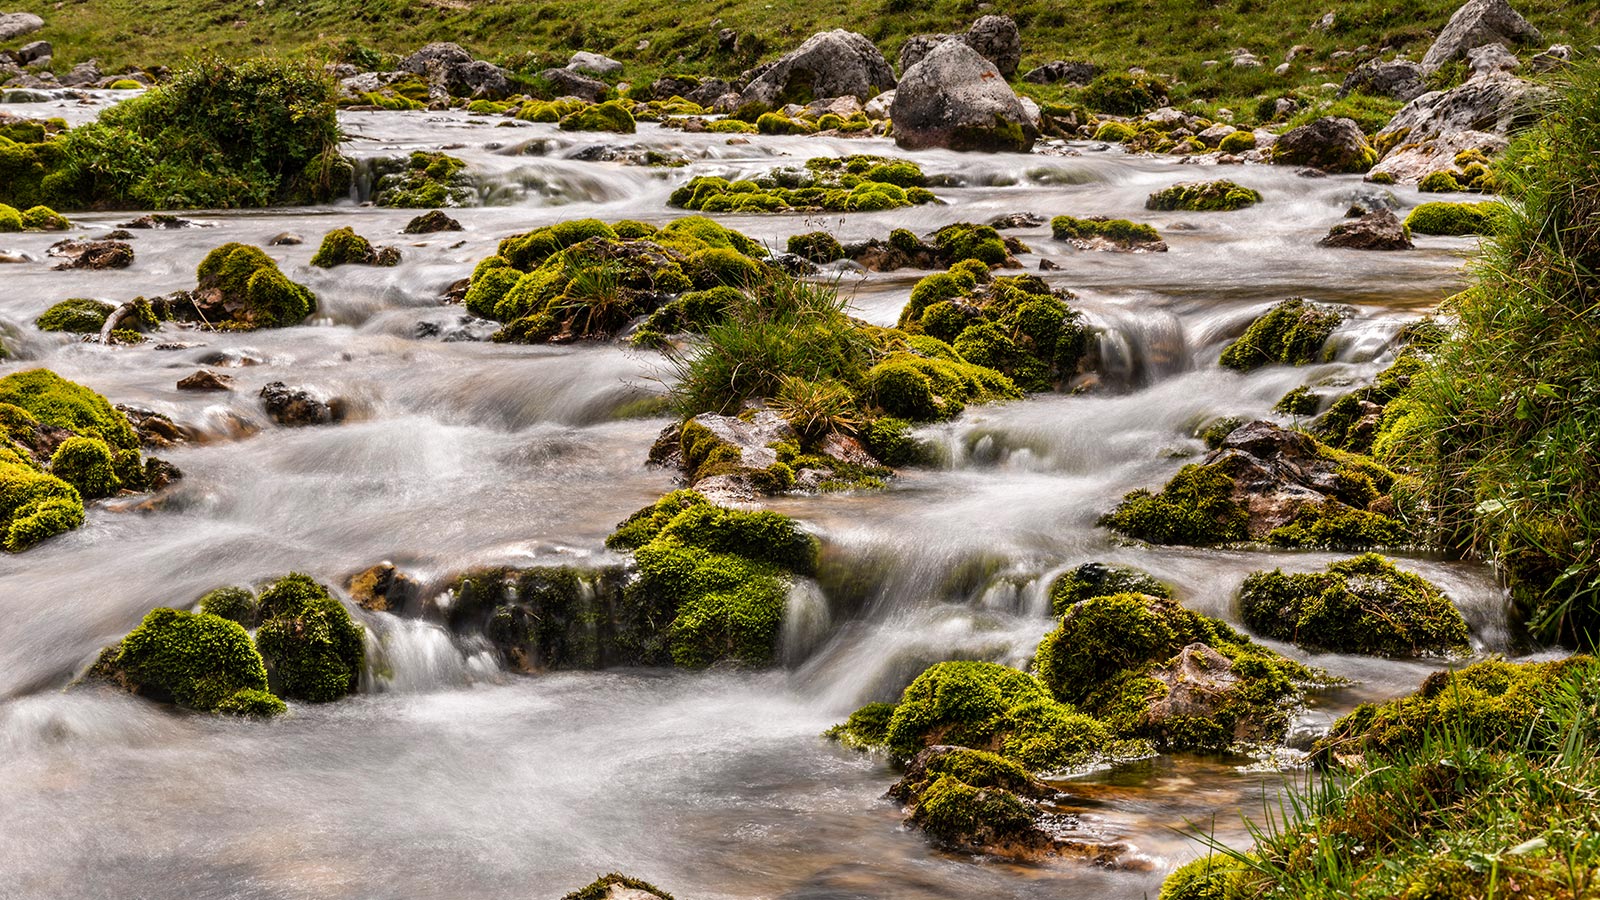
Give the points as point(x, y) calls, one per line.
point(447, 778)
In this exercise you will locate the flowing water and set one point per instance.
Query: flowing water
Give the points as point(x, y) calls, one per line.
point(448, 778)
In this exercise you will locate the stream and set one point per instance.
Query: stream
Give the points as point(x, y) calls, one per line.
point(448, 778)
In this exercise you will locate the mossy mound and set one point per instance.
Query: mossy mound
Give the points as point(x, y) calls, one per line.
point(1212, 877)
point(195, 660)
point(1016, 325)
point(816, 246)
point(719, 576)
point(37, 218)
point(1293, 332)
point(610, 116)
point(312, 648)
point(88, 465)
point(982, 706)
point(1491, 704)
point(1102, 580)
point(847, 184)
point(1203, 196)
point(1362, 605)
point(79, 315)
point(1099, 232)
point(33, 505)
point(1377, 418)
point(241, 286)
point(343, 246)
point(1195, 508)
point(922, 389)
point(1238, 142)
point(55, 401)
point(1151, 669)
point(236, 604)
point(584, 279)
point(1455, 219)
point(423, 181)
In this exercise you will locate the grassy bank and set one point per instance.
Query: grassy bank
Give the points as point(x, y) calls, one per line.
point(1169, 37)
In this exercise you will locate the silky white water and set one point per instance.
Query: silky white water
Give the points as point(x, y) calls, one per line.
point(447, 778)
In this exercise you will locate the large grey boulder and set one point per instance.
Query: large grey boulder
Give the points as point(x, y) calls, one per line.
point(1491, 60)
point(567, 83)
point(584, 61)
point(996, 39)
point(443, 52)
point(1401, 80)
point(1494, 105)
point(1476, 23)
point(34, 53)
point(1330, 143)
point(956, 98)
point(1409, 163)
point(451, 70)
point(829, 64)
point(17, 24)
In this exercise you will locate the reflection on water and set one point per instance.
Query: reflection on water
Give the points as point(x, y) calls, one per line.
point(447, 778)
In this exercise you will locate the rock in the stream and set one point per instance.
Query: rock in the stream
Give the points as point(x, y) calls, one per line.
point(1017, 220)
point(829, 64)
point(432, 223)
point(1330, 144)
point(1379, 229)
point(384, 588)
point(297, 407)
point(285, 239)
point(17, 24)
point(158, 220)
point(955, 98)
point(204, 380)
point(75, 254)
point(1476, 23)
point(1400, 80)
point(155, 429)
point(617, 886)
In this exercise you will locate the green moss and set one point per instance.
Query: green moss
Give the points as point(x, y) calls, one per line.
point(1298, 402)
point(918, 389)
point(1238, 142)
point(955, 813)
point(422, 180)
point(866, 727)
point(252, 286)
point(342, 246)
point(992, 707)
point(43, 218)
point(34, 506)
point(79, 315)
point(1361, 605)
point(1293, 332)
point(253, 703)
point(1335, 526)
point(88, 465)
point(1196, 507)
point(1117, 231)
point(10, 219)
point(1491, 704)
point(312, 648)
point(1102, 580)
point(53, 400)
point(195, 660)
point(1455, 218)
point(1115, 132)
point(236, 604)
point(890, 440)
point(1203, 196)
point(777, 123)
point(718, 266)
point(1211, 877)
point(609, 116)
point(853, 183)
point(964, 240)
point(1441, 182)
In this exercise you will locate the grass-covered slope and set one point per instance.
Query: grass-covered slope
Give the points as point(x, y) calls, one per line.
point(1169, 37)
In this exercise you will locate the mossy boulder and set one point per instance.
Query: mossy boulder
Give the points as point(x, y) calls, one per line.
point(195, 660)
point(1493, 704)
point(1151, 669)
point(1101, 233)
point(54, 401)
point(423, 180)
point(857, 183)
point(1102, 580)
point(343, 246)
point(920, 389)
point(717, 579)
point(1362, 605)
point(611, 116)
point(1266, 483)
point(236, 604)
point(79, 315)
point(1331, 144)
point(87, 464)
point(241, 286)
point(617, 886)
point(816, 246)
point(990, 707)
point(34, 505)
point(312, 648)
point(1214, 876)
point(1203, 196)
point(1455, 219)
point(1294, 332)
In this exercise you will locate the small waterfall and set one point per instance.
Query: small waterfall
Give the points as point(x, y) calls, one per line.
point(411, 656)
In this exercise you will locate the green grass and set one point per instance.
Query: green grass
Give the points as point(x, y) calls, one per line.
point(1170, 38)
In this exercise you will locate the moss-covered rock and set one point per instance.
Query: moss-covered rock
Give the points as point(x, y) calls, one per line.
point(1101, 233)
point(1102, 580)
point(34, 505)
point(342, 246)
point(816, 246)
point(1151, 669)
point(1238, 142)
point(195, 660)
point(236, 604)
point(423, 181)
point(919, 389)
point(1455, 219)
point(312, 648)
point(717, 579)
point(617, 886)
point(1491, 704)
point(1196, 507)
point(88, 465)
point(547, 617)
point(1361, 605)
point(1203, 196)
point(1293, 332)
point(79, 315)
point(241, 286)
point(611, 116)
point(54, 401)
point(1211, 877)
point(847, 184)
